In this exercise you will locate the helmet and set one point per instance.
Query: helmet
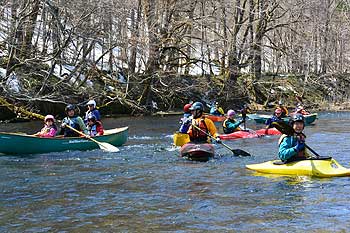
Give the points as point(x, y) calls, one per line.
point(187, 107)
point(197, 106)
point(91, 117)
point(231, 113)
point(69, 107)
point(296, 118)
point(278, 110)
point(91, 102)
point(49, 117)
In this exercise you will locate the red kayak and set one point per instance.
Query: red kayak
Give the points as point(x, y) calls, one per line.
point(215, 118)
point(250, 134)
point(197, 151)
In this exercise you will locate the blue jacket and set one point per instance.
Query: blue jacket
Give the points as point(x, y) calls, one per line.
point(286, 148)
point(271, 120)
point(94, 112)
point(185, 123)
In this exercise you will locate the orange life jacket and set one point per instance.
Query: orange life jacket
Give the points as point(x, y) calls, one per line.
point(197, 135)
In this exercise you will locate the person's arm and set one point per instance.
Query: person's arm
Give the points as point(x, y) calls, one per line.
point(211, 127)
point(82, 125)
point(286, 149)
point(231, 125)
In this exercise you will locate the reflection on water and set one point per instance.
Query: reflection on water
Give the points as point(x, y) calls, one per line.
point(147, 187)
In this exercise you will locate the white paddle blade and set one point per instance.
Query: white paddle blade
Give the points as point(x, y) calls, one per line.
point(108, 147)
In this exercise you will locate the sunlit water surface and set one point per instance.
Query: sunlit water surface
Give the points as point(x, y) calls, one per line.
point(146, 187)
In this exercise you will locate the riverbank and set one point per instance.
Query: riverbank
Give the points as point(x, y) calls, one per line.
point(170, 93)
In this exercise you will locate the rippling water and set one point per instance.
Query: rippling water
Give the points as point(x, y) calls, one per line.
point(148, 188)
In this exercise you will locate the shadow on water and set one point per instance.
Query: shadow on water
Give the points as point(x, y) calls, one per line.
point(147, 187)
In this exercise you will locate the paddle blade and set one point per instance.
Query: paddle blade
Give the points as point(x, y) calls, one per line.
point(283, 127)
point(107, 147)
point(239, 152)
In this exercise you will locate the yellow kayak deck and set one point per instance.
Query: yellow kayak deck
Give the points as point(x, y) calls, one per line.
point(310, 167)
point(181, 139)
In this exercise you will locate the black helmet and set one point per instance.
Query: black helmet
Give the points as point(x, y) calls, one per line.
point(69, 107)
point(197, 106)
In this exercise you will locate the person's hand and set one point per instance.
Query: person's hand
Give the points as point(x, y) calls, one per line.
point(218, 140)
point(63, 125)
point(300, 145)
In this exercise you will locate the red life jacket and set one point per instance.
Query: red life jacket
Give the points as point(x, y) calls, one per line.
point(197, 135)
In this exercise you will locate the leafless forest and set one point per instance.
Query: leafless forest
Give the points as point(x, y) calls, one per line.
point(135, 52)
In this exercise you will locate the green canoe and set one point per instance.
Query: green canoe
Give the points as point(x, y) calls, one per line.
point(261, 118)
point(12, 143)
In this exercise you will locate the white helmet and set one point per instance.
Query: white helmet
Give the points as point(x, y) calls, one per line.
point(91, 102)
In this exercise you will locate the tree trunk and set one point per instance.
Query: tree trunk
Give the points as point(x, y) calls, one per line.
point(135, 21)
point(29, 30)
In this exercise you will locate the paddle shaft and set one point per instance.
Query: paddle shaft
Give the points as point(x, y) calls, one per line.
point(310, 149)
point(232, 150)
point(244, 116)
point(81, 133)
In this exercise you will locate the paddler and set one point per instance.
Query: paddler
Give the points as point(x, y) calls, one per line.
point(186, 119)
point(277, 117)
point(230, 125)
point(283, 108)
point(49, 129)
point(292, 147)
point(201, 126)
point(216, 110)
point(73, 120)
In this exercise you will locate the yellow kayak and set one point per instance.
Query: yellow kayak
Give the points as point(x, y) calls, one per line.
point(309, 167)
point(181, 139)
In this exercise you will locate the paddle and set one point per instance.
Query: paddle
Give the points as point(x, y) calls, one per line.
point(285, 128)
point(103, 145)
point(236, 152)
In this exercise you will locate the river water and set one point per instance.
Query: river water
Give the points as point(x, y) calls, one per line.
point(146, 187)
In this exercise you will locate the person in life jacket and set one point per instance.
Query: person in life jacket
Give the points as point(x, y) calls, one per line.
point(216, 110)
point(300, 109)
point(230, 125)
point(283, 108)
point(92, 111)
point(201, 127)
point(292, 147)
point(94, 127)
point(186, 119)
point(49, 129)
point(74, 121)
point(277, 117)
